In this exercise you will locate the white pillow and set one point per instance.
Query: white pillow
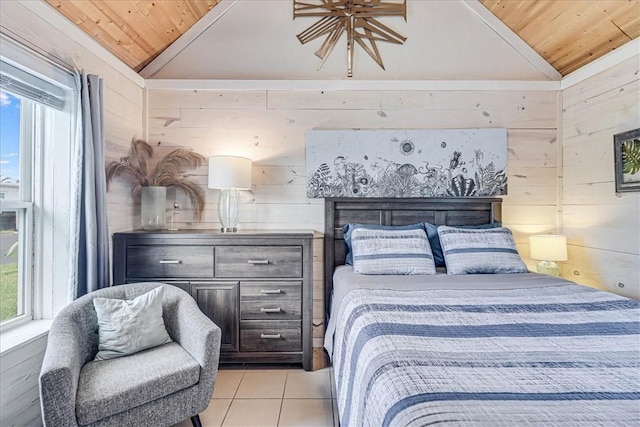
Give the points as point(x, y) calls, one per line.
point(391, 252)
point(129, 326)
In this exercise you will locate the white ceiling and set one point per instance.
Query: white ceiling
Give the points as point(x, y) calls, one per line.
point(256, 39)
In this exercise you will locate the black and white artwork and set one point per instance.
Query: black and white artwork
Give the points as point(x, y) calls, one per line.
point(406, 163)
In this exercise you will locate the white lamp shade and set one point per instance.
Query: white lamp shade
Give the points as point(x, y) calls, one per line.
point(548, 247)
point(230, 172)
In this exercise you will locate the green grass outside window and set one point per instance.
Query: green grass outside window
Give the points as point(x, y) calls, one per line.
point(8, 291)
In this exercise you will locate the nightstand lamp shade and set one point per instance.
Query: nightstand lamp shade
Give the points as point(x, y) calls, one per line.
point(229, 174)
point(548, 248)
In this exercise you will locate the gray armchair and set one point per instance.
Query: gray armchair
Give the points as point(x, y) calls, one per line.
point(157, 387)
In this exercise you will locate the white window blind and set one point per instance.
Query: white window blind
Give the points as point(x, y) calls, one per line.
point(15, 80)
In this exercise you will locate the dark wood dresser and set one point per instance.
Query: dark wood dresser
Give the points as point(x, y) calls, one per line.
point(255, 285)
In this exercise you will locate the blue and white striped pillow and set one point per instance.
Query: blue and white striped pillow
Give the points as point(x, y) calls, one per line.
point(391, 252)
point(489, 251)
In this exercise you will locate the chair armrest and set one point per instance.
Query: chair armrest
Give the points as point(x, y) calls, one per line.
point(59, 375)
point(197, 334)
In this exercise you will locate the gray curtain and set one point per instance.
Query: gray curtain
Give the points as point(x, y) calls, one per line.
point(93, 233)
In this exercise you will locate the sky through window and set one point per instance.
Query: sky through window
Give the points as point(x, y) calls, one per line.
point(9, 137)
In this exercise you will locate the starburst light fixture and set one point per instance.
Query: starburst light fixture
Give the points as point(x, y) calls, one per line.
point(356, 18)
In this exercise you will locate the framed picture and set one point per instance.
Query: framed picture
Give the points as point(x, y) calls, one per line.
point(626, 148)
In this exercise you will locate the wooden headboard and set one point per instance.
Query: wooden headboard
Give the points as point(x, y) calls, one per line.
point(441, 211)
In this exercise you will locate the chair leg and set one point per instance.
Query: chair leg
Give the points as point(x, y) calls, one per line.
point(195, 420)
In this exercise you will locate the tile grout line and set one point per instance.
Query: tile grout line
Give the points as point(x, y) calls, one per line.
point(233, 397)
point(226, 413)
point(280, 412)
point(244, 371)
point(235, 393)
point(286, 379)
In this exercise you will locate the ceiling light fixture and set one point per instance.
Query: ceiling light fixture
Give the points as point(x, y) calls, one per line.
point(356, 18)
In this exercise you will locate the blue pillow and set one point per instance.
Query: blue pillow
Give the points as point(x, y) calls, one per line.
point(348, 229)
point(434, 240)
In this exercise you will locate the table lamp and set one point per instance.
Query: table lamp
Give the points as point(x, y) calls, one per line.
point(229, 174)
point(548, 248)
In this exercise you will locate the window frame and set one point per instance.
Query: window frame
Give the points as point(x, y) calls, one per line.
point(47, 205)
point(30, 130)
point(24, 222)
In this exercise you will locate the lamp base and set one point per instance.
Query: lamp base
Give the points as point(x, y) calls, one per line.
point(549, 268)
point(229, 204)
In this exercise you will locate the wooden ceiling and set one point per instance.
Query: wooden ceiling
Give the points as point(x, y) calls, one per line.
point(570, 33)
point(567, 33)
point(134, 31)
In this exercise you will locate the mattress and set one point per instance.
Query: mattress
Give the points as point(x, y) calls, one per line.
point(513, 349)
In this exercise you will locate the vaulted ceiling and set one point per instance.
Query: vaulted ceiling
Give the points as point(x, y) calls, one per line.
point(568, 34)
point(134, 31)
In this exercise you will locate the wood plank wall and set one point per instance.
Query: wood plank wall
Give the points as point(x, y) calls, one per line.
point(19, 401)
point(269, 127)
point(19, 392)
point(602, 227)
point(123, 98)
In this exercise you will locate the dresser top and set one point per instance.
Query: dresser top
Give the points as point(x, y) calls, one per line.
point(218, 233)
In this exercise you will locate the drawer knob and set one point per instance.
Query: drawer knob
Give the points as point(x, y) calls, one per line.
point(270, 310)
point(170, 261)
point(270, 291)
point(258, 261)
point(270, 336)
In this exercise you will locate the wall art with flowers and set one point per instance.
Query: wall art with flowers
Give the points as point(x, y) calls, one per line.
point(406, 163)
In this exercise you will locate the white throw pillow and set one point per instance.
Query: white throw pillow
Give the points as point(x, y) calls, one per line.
point(129, 326)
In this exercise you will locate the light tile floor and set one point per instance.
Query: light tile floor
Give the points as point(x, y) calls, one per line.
point(255, 397)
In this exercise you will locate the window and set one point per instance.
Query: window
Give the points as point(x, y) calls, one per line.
point(36, 141)
point(17, 124)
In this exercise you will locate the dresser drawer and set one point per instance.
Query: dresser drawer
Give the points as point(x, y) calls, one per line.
point(169, 261)
point(185, 286)
point(270, 300)
point(258, 261)
point(270, 335)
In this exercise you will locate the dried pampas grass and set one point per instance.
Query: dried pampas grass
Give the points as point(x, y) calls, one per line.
point(166, 173)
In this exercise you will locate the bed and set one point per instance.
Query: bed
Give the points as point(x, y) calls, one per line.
point(472, 349)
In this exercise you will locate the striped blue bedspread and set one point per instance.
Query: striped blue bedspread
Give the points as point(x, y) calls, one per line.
point(564, 355)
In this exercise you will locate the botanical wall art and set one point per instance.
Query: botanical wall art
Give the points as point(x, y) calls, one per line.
point(626, 148)
point(406, 163)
